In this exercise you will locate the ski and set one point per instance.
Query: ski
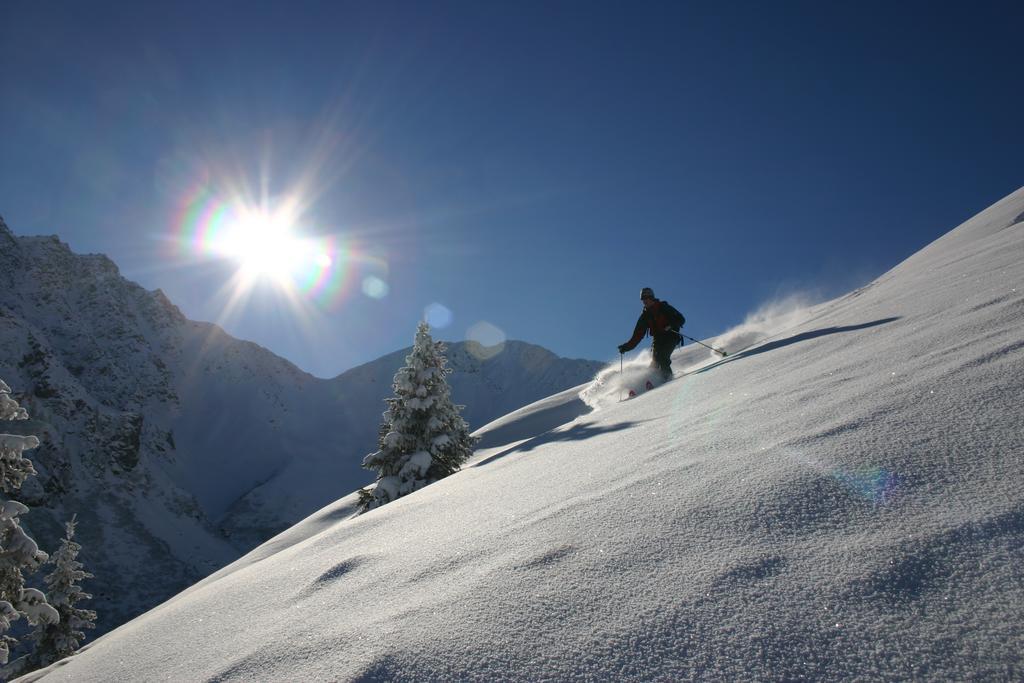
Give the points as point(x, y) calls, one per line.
point(633, 393)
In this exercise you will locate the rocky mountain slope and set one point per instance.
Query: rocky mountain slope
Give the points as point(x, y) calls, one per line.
point(180, 447)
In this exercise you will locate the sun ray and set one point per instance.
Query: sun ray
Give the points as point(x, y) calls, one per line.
point(283, 265)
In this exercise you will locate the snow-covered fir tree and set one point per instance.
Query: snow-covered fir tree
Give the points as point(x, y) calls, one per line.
point(18, 552)
point(423, 437)
point(64, 592)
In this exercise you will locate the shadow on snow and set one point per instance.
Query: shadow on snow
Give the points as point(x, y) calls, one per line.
point(579, 432)
point(803, 336)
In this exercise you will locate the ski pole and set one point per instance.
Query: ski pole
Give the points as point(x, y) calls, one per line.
point(705, 345)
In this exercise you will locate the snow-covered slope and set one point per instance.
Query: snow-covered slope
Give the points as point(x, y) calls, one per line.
point(178, 446)
point(341, 419)
point(843, 500)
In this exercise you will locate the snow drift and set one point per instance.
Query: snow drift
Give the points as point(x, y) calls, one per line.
point(843, 501)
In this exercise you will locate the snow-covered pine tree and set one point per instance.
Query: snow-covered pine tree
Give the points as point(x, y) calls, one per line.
point(18, 551)
point(423, 437)
point(64, 592)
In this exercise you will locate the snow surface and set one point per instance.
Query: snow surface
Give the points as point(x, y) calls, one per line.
point(842, 500)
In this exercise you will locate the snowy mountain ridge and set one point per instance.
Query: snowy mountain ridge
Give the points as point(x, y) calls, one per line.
point(178, 446)
point(844, 500)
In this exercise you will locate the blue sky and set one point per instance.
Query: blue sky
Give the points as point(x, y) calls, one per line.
point(529, 166)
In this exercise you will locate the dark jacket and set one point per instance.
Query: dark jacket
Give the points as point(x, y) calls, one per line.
point(661, 321)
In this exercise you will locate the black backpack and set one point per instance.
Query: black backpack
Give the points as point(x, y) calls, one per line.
point(676, 320)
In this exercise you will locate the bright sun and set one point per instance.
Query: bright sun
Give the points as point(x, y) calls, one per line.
point(264, 246)
point(273, 255)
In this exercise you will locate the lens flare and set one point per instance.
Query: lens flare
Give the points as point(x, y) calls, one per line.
point(326, 278)
point(374, 287)
point(437, 316)
point(268, 245)
point(201, 222)
point(875, 484)
point(489, 338)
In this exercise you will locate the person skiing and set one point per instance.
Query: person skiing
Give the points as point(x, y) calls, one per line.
point(663, 322)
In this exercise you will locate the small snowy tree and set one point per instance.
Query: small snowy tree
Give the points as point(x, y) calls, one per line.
point(60, 640)
point(423, 437)
point(18, 552)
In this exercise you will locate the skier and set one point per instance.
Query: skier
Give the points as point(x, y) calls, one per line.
point(663, 322)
